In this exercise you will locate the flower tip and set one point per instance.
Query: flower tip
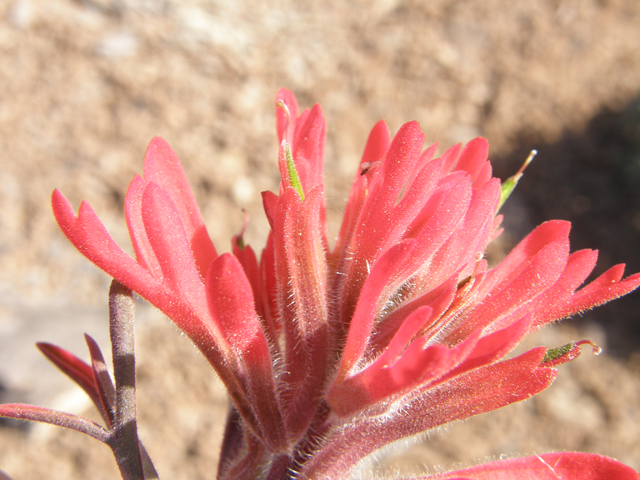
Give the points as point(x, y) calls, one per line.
point(157, 139)
point(62, 209)
point(56, 197)
point(412, 132)
point(157, 144)
point(510, 183)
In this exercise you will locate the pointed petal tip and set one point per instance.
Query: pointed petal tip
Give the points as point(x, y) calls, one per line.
point(158, 147)
point(157, 141)
point(413, 128)
point(59, 204)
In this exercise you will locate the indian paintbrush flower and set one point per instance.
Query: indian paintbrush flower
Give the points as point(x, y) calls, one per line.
point(329, 354)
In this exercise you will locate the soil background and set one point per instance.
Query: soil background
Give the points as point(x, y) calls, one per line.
point(85, 84)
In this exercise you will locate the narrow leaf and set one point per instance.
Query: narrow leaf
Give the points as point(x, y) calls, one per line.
point(20, 411)
point(103, 381)
point(80, 372)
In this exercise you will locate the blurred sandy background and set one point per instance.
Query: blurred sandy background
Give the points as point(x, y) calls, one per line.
point(84, 85)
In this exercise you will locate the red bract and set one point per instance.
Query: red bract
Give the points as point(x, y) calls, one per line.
point(550, 466)
point(329, 355)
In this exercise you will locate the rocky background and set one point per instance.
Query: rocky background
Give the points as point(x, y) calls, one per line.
point(85, 84)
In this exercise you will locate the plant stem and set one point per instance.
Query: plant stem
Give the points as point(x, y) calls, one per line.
point(132, 459)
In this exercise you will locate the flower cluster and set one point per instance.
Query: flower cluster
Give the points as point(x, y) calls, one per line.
point(329, 354)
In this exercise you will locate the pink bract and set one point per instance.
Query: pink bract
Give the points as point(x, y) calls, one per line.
point(329, 355)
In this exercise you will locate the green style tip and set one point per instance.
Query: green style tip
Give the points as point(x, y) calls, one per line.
point(509, 185)
point(291, 170)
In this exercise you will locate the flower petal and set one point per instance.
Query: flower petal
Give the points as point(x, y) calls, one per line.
point(548, 307)
point(395, 372)
point(450, 157)
point(377, 144)
point(170, 244)
point(362, 322)
point(230, 299)
point(549, 466)
point(284, 121)
point(89, 236)
point(534, 277)
point(162, 166)
point(399, 162)
point(439, 300)
point(477, 392)
point(473, 157)
point(306, 135)
point(603, 289)
point(133, 214)
point(308, 147)
point(546, 233)
point(493, 347)
point(299, 235)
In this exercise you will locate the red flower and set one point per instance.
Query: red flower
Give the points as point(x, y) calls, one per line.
point(330, 355)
